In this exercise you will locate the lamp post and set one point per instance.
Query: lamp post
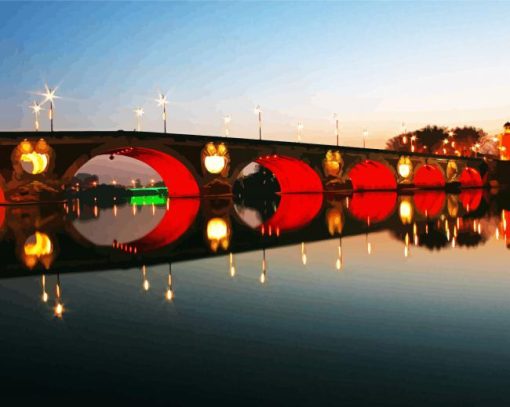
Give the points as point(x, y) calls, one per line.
point(365, 135)
point(300, 128)
point(50, 96)
point(162, 102)
point(337, 128)
point(226, 121)
point(139, 112)
point(258, 112)
point(36, 109)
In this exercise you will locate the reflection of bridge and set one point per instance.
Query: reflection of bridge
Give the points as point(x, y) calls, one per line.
point(429, 218)
point(41, 166)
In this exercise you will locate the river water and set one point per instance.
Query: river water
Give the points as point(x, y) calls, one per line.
point(368, 299)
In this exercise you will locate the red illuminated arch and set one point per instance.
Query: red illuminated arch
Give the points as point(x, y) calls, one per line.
point(372, 207)
point(372, 175)
point(293, 175)
point(429, 176)
point(471, 199)
point(294, 212)
point(176, 176)
point(177, 220)
point(429, 203)
point(470, 178)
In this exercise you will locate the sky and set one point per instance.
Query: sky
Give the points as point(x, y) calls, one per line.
point(375, 64)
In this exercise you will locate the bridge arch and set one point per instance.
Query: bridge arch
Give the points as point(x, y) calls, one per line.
point(372, 175)
point(470, 178)
point(177, 176)
point(429, 176)
point(293, 175)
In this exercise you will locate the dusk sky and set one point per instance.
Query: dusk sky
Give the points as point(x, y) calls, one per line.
point(376, 64)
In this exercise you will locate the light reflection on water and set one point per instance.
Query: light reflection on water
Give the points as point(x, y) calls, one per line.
point(418, 305)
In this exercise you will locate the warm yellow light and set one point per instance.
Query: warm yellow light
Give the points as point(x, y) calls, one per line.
point(45, 297)
point(34, 163)
point(404, 170)
point(335, 221)
point(217, 229)
point(262, 278)
point(39, 244)
point(406, 212)
point(218, 233)
point(146, 285)
point(214, 164)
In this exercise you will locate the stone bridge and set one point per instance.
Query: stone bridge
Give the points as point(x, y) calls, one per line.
point(38, 166)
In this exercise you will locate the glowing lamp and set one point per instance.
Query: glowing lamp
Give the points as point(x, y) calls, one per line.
point(25, 147)
point(34, 163)
point(404, 170)
point(215, 164)
point(404, 167)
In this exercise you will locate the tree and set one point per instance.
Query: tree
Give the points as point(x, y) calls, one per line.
point(430, 138)
point(465, 141)
point(397, 143)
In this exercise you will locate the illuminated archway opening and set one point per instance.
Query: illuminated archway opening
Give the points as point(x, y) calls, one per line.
point(470, 178)
point(429, 203)
point(429, 176)
point(372, 175)
point(372, 207)
point(293, 175)
point(176, 176)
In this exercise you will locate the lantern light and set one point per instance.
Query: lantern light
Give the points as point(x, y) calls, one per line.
point(214, 164)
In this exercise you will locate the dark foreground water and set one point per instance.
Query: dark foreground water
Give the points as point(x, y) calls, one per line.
point(415, 310)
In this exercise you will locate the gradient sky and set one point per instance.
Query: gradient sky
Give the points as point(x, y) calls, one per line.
point(375, 63)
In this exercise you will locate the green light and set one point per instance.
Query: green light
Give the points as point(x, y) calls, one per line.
point(148, 200)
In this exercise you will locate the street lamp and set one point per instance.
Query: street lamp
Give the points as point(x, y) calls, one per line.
point(162, 102)
point(258, 112)
point(226, 121)
point(36, 109)
point(300, 128)
point(50, 96)
point(337, 128)
point(365, 135)
point(139, 112)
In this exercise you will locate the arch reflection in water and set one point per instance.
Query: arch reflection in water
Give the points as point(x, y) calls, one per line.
point(154, 226)
point(287, 212)
point(429, 203)
point(372, 207)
